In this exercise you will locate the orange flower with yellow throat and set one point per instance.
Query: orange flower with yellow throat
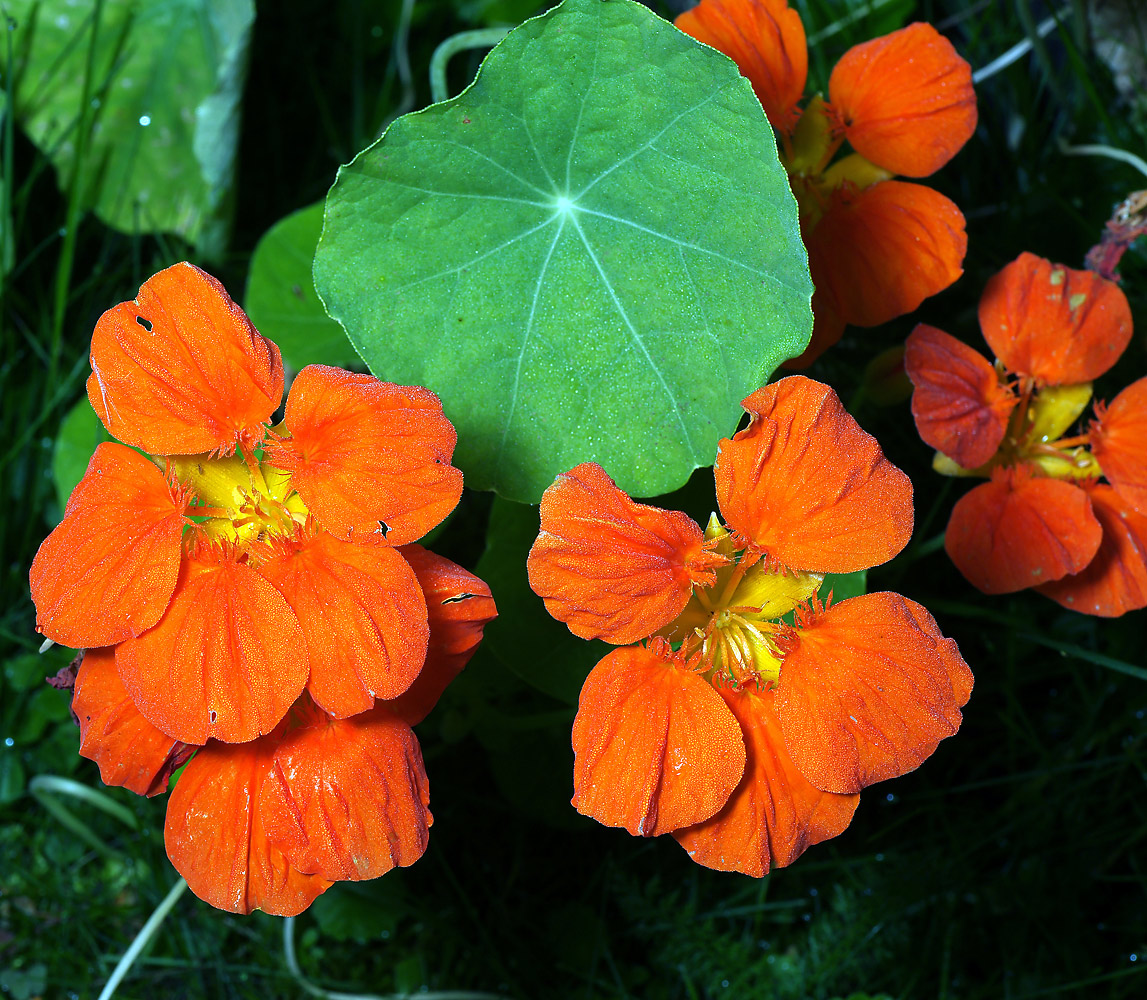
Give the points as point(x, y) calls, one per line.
point(877, 246)
point(745, 734)
point(255, 592)
point(1044, 519)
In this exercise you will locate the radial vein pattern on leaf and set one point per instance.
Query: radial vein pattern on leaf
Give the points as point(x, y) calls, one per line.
point(591, 254)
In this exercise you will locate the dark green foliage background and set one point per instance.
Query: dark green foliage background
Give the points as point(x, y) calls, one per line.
point(1012, 864)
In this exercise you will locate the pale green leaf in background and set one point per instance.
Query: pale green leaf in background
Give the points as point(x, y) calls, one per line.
point(166, 83)
point(281, 299)
point(590, 254)
point(80, 434)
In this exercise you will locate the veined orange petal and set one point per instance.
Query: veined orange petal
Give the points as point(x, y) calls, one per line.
point(225, 662)
point(216, 834)
point(129, 750)
point(655, 747)
point(774, 814)
point(881, 251)
point(108, 570)
point(459, 607)
point(363, 451)
point(1119, 442)
point(180, 370)
point(347, 799)
point(865, 694)
point(362, 614)
point(1054, 323)
point(1018, 531)
point(807, 485)
point(906, 100)
point(958, 671)
point(959, 405)
point(766, 39)
point(1115, 581)
point(610, 568)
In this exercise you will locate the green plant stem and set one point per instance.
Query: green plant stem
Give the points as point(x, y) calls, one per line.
point(146, 932)
point(292, 961)
point(75, 203)
point(481, 38)
point(45, 788)
point(1109, 151)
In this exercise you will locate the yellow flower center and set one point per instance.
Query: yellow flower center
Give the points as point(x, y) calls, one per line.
point(732, 626)
point(806, 155)
point(243, 501)
point(1034, 436)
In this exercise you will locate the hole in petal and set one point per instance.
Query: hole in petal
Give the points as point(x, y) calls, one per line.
point(144, 322)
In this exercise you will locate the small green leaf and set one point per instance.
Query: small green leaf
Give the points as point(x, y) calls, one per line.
point(361, 911)
point(281, 299)
point(524, 638)
point(80, 434)
point(163, 105)
point(590, 254)
point(843, 585)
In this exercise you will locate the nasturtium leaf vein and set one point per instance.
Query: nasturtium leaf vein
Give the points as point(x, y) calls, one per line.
point(590, 254)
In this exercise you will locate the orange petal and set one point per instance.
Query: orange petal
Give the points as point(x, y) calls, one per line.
point(1119, 441)
point(881, 251)
point(225, 662)
point(774, 814)
point(1054, 323)
point(1115, 581)
point(610, 568)
point(459, 607)
point(767, 42)
point(216, 835)
point(959, 405)
point(1018, 531)
point(347, 799)
point(181, 370)
point(807, 485)
point(865, 693)
point(362, 614)
point(363, 451)
point(108, 570)
point(959, 673)
point(906, 100)
point(129, 750)
point(655, 747)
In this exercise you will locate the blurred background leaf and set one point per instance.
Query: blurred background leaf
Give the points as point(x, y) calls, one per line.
point(281, 299)
point(138, 103)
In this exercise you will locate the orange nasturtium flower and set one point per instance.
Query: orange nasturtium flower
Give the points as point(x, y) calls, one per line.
point(1043, 519)
point(877, 247)
point(746, 737)
point(239, 599)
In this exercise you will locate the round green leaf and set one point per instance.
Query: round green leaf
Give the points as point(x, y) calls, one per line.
point(591, 254)
point(164, 90)
point(281, 300)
